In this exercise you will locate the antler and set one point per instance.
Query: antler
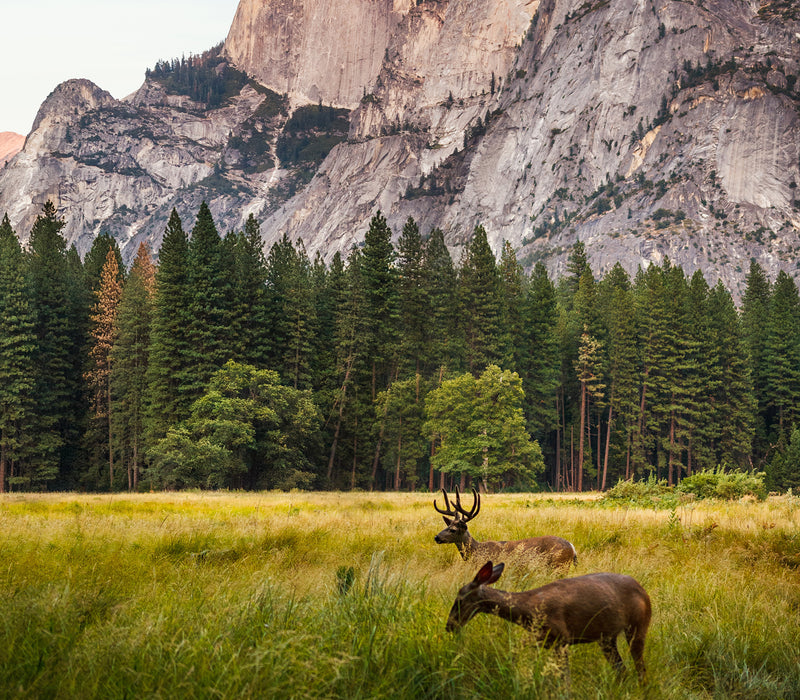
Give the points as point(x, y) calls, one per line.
point(457, 510)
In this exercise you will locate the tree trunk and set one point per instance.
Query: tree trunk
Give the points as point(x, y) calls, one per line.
point(110, 441)
point(580, 439)
point(399, 447)
point(339, 421)
point(558, 483)
point(670, 465)
point(3, 462)
point(608, 438)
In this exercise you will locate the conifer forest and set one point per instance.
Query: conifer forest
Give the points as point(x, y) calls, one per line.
point(394, 367)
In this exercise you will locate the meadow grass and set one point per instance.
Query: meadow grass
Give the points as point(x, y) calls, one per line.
point(332, 595)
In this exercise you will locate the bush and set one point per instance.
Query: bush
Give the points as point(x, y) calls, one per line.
point(731, 485)
point(652, 493)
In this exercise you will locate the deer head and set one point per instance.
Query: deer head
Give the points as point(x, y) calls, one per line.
point(469, 598)
point(456, 518)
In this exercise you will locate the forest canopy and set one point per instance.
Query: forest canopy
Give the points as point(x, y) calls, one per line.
point(392, 367)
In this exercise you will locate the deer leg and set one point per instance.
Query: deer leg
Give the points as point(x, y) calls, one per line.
point(636, 644)
point(609, 647)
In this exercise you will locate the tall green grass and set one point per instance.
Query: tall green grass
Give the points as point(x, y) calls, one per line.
point(227, 595)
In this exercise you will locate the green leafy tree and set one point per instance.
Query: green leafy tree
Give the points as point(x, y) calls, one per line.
point(402, 409)
point(480, 428)
point(17, 345)
point(247, 430)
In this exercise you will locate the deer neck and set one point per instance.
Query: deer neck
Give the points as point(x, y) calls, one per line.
point(467, 546)
point(514, 607)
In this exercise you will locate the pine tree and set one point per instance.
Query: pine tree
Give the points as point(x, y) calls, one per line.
point(539, 359)
point(622, 366)
point(249, 323)
point(512, 293)
point(734, 396)
point(588, 368)
point(103, 327)
point(443, 338)
point(379, 278)
point(129, 361)
point(782, 356)
point(413, 297)
point(755, 321)
point(209, 296)
point(17, 344)
point(53, 359)
point(96, 258)
point(481, 305)
point(169, 359)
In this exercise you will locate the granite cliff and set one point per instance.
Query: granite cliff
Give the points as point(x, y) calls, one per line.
point(644, 129)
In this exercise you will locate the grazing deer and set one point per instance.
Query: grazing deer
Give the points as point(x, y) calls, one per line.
point(584, 609)
point(554, 551)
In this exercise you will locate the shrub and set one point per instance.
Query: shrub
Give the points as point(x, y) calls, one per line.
point(652, 493)
point(731, 485)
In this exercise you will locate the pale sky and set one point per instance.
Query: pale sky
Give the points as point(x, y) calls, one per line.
point(110, 42)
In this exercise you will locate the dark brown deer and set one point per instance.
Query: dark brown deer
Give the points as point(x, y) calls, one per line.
point(579, 610)
point(553, 551)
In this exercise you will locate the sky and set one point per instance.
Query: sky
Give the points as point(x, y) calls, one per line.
point(110, 42)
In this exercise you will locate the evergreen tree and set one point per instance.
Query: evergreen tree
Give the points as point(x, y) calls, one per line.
point(17, 345)
point(414, 303)
point(379, 278)
point(512, 293)
point(169, 358)
point(782, 356)
point(54, 354)
point(96, 259)
point(755, 321)
point(622, 366)
point(481, 304)
point(443, 339)
point(538, 350)
point(209, 295)
point(103, 327)
point(130, 360)
point(250, 313)
point(734, 399)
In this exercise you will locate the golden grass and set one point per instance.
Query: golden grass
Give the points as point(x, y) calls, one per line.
point(723, 578)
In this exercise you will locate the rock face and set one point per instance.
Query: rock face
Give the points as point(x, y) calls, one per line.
point(646, 130)
point(10, 145)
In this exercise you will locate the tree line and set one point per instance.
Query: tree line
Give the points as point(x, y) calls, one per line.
point(392, 367)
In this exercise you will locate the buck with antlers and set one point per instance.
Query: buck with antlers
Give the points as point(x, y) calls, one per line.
point(554, 551)
point(580, 610)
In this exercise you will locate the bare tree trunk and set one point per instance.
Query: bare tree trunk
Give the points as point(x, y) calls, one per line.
point(581, 438)
point(399, 447)
point(608, 441)
point(558, 483)
point(571, 457)
point(3, 462)
point(355, 458)
point(110, 441)
point(671, 467)
point(335, 442)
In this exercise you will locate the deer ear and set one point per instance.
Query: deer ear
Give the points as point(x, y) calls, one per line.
point(446, 521)
point(496, 571)
point(485, 574)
